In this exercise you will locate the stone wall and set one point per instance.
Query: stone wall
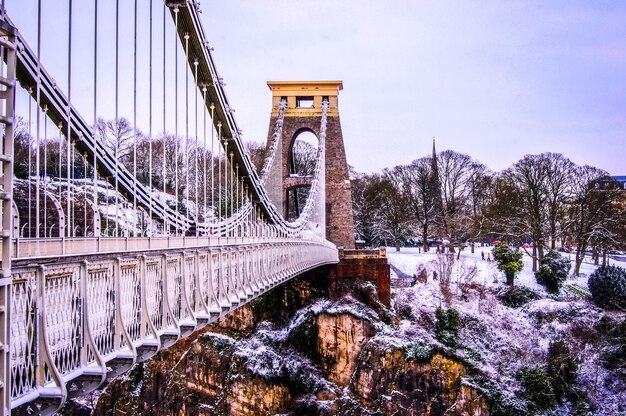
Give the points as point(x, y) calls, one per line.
point(370, 265)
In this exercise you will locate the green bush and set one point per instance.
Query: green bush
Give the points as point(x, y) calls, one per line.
point(448, 326)
point(562, 369)
point(419, 351)
point(517, 296)
point(509, 261)
point(608, 287)
point(553, 271)
point(537, 388)
point(501, 402)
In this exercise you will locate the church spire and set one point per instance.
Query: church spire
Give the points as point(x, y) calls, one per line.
point(434, 181)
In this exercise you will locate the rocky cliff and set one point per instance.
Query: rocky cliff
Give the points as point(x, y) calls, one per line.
point(310, 347)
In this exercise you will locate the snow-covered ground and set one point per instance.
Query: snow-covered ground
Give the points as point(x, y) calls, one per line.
point(408, 259)
point(501, 340)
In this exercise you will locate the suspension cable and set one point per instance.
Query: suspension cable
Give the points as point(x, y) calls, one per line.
point(149, 229)
point(95, 115)
point(213, 162)
point(30, 217)
point(134, 120)
point(45, 170)
point(117, 121)
point(204, 150)
point(70, 217)
point(38, 128)
point(219, 171)
point(195, 65)
point(165, 224)
point(176, 109)
point(186, 151)
point(85, 194)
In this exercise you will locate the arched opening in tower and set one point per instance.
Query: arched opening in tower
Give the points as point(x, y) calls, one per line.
point(302, 160)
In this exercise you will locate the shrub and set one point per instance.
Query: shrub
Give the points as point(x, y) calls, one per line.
point(419, 351)
point(553, 271)
point(509, 261)
point(537, 387)
point(562, 369)
point(608, 287)
point(501, 402)
point(517, 296)
point(448, 326)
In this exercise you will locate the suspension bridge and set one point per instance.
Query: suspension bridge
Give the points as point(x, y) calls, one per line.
point(132, 214)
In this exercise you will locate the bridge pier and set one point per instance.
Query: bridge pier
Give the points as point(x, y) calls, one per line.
point(369, 265)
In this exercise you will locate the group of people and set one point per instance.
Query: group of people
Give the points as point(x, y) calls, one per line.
point(482, 254)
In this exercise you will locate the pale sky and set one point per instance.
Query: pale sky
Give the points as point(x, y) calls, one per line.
point(495, 80)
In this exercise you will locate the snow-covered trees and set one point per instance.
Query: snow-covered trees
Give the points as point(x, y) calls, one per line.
point(416, 184)
point(455, 174)
point(381, 210)
point(544, 200)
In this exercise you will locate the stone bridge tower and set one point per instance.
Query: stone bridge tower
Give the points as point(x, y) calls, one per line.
point(303, 114)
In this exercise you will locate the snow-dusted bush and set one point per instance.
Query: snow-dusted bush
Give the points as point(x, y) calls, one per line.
point(419, 351)
point(553, 271)
point(562, 369)
point(517, 296)
point(448, 326)
point(608, 287)
point(509, 261)
point(537, 388)
point(502, 402)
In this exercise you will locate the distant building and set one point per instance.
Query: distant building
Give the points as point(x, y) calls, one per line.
point(611, 182)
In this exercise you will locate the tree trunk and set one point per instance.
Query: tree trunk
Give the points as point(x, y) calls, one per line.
point(578, 263)
point(534, 256)
point(397, 245)
point(580, 256)
point(425, 237)
point(510, 279)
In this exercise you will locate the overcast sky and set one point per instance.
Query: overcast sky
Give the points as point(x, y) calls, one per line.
point(495, 80)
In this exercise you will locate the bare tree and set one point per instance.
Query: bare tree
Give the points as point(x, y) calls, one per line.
point(303, 158)
point(256, 150)
point(480, 196)
point(363, 207)
point(559, 177)
point(455, 175)
point(593, 211)
point(117, 136)
point(415, 183)
point(541, 188)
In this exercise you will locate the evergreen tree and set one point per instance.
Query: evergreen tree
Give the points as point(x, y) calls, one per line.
point(509, 261)
point(553, 271)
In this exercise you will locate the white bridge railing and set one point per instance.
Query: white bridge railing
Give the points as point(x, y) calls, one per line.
point(75, 323)
point(102, 268)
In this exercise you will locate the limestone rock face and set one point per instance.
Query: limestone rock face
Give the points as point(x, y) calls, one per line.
point(387, 380)
point(257, 398)
point(325, 360)
point(239, 320)
point(340, 339)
